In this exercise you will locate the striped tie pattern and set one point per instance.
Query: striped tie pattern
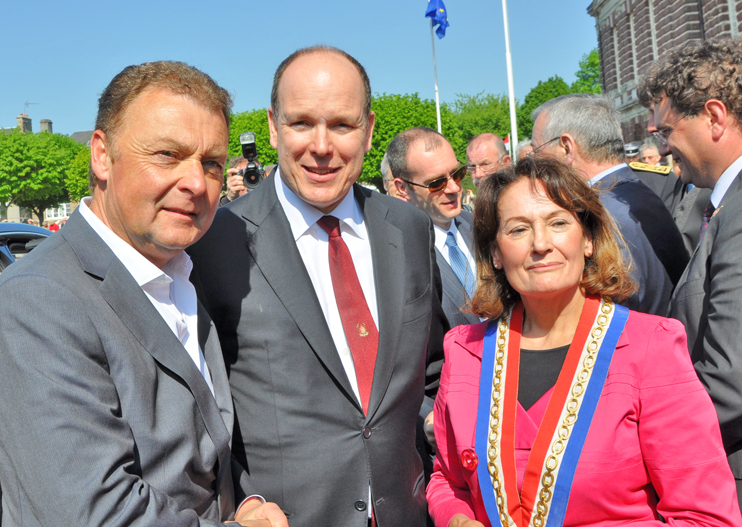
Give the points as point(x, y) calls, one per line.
point(460, 264)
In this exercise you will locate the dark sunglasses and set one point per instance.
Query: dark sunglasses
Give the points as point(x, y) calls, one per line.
point(440, 183)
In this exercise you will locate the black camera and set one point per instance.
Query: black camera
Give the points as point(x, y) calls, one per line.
point(252, 174)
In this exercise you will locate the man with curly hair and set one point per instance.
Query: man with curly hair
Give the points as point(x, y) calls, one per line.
point(694, 94)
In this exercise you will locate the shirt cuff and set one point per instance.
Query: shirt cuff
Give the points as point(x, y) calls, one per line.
point(258, 496)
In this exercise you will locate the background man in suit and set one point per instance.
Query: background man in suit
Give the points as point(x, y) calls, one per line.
point(428, 175)
point(325, 297)
point(486, 154)
point(115, 401)
point(584, 131)
point(696, 110)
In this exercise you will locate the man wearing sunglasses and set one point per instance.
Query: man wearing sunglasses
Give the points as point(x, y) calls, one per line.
point(428, 175)
point(485, 155)
point(695, 103)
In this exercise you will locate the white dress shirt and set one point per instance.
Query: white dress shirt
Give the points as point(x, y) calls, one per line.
point(592, 181)
point(168, 288)
point(725, 181)
point(440, 243)
point(314, 248)
point(313, 244)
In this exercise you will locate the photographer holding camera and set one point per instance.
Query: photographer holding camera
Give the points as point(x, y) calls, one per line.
point(245, 172)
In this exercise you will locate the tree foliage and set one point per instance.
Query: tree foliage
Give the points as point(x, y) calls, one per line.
point(542, 92)
point(482, 113)
point(396, 113)
point(76, 179)
point(34, 168)
point(588, 76)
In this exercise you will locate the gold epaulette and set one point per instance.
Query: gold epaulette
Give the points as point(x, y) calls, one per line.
point(643, 167)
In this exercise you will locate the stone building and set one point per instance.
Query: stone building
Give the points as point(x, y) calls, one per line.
point(633, 33)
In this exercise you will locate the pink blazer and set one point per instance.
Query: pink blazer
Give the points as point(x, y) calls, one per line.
point(654, 447)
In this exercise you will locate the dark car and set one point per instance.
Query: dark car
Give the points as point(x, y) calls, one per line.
point(17, 240)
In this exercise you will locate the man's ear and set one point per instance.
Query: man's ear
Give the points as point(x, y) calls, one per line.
point(568, 148)
point(370, 130)
point(272, 127)
point(100, 155)
point(718, 116)
point(402, 189)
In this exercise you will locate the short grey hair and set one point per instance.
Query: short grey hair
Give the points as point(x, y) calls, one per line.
point(649, 146)
point(592, 120)
point(384, 167)
point(397, 149)
point(487, 137)
point(521, 145)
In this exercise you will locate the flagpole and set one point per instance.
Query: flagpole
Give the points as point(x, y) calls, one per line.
point(435, 73)
point(511, 90)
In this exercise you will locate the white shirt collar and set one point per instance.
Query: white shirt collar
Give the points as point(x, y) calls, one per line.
point(302, 215)
point(725, 181)
point(593, 180)
point(142, 270)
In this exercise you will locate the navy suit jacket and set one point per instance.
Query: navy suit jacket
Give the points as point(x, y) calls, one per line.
point(651, 239)
point(454, 294)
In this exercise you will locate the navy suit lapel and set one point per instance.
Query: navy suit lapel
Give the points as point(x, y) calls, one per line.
point(387, 252)
point(283, 268)
point(138, 314)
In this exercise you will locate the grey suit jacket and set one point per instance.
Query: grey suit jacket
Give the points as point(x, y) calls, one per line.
point(104, 417)
point(300, 431)
point(454, 294)
point(708, 301)
point(688, 216)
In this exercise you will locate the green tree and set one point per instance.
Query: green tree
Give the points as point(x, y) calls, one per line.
point(76, 179)
point(33, 169)
point(588, 76)
point(396, 113)
point(480, 113)
point(542, 92)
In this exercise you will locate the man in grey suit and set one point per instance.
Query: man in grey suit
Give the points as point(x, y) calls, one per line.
point(584, 131)
point(325, 297)
point(114, 400)
point(428, 175)
point(696, 110)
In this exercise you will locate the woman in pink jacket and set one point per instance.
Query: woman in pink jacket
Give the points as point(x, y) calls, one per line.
point(567, 409)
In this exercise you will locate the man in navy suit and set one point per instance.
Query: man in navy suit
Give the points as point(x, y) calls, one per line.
point(428, 175)
point(584, 131)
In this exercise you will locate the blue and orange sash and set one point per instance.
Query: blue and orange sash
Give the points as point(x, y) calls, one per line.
point(561, 436)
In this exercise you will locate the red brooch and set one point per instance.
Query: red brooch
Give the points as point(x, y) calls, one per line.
point(469, 459)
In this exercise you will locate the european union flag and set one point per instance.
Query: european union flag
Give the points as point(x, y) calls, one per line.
point(437, 11)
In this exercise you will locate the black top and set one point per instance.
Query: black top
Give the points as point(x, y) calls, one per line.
point(539, 371)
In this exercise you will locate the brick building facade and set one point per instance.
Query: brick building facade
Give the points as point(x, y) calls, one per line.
point(633, 33)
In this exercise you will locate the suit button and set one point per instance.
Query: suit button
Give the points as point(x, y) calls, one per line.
point(360, 505)
point(366, 434)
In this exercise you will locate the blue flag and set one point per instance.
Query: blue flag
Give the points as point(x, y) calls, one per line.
point(437, 11)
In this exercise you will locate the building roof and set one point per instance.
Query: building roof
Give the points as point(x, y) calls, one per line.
point(83, 137)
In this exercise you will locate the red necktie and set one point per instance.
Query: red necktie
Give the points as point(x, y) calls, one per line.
point(358, 324)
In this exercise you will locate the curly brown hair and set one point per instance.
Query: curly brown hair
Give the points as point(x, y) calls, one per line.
point(691, 74)
point(606, 272)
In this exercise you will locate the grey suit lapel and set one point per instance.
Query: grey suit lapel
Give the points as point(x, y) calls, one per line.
point(131, 305)
point(387, 252)
point(283, 268)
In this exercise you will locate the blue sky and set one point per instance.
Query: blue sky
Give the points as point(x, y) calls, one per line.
point(62, 54)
